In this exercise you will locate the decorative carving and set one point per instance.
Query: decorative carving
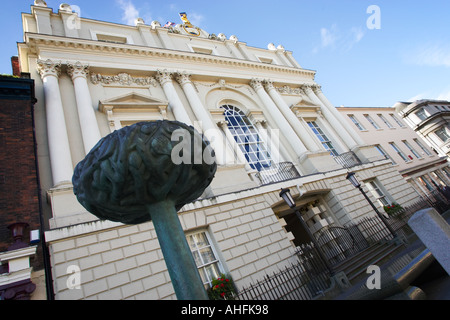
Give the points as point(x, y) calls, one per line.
point(48, 67)
point(288, 90)
point(139, 21)
point(77, 70)
point(234, 39)
point(163, 76)
point(40, 3)
point(256, 84)
point(268, 85)
point(64, 7)
point(221, 37)
point(183, 78)
point(123, 79)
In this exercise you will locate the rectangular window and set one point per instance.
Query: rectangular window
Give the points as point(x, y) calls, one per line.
point(205, 257)
point(327, 144)
point(265, 60)
point(413, 151)
point(111, 38)
point(421, 114)
point(443, 134)
point(372, 122)
point(384, 153)
point(356, 122)
point(400, 124)
point(421, 146)
point(202, 50)
point(378, 193)
point(386, 122)
point(399, 152)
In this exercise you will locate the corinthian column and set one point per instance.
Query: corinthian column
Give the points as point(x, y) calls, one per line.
point(58, 141)
point(88, 121)
point(337, 125)
point(211, 132)
point(291, 117)
point(282, 123)
point(318, 91)
point(165, 79)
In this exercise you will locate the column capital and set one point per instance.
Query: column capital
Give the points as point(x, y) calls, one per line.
point(316, 88)
point(163, 76)
point(256, 84)
point(183, 78)
point(77, 69)
point(49, 68)
point(313, 87)
point(268, 85)
point(222, 124)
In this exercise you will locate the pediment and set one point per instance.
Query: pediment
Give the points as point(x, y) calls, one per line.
point(132, 100)
point(305, 104)
point(133, 97)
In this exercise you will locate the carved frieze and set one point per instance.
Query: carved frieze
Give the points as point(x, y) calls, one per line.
point(122, 79)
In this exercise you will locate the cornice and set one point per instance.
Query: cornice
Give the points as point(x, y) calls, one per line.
point(35, 41)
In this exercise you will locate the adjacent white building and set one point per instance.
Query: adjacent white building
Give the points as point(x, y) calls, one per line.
point(273, 126)
point(430, 119)
point(415, 160)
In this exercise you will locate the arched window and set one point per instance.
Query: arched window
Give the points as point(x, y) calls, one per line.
point(247, 138)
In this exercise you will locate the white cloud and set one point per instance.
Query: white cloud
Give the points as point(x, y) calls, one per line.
point(442, 94)
point(430, 55)
point(130, 13)
point(329, 36)
point(195, 18)
point(333, 38)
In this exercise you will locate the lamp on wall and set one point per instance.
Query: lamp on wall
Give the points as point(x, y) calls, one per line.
point(351, 176)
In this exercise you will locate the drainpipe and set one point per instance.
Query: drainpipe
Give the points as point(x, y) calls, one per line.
point(45, 251)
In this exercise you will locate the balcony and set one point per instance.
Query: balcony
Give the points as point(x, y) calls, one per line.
point(348, 159)
point(277, 172)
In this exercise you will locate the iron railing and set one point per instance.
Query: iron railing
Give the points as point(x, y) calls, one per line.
point(310, 277)
point(278, 172)
point(301, 281)
point(348, 159)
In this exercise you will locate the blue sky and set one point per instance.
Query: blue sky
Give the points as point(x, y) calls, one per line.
point(397, 50)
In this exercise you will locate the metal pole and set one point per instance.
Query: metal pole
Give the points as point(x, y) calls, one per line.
point(316, 244)
point(181, 265)
point(378, 213)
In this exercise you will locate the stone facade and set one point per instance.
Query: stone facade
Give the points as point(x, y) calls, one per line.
point(411, 155)
point(99, 77)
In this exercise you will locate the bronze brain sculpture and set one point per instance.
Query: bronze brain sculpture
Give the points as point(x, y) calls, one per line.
point(133, 168)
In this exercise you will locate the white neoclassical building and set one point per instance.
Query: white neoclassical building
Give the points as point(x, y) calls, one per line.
point(270, 124)
point(430, 119)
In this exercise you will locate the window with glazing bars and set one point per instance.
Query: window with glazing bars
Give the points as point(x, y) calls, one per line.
point(356, 122)
point(399, 152)
point(372, 122)
point(327, 144)
point(413, 151)
point(378, 193)
point(205, 257)
point(247, 138)
point(386, 122)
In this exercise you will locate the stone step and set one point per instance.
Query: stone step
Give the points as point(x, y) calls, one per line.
point(358, 264)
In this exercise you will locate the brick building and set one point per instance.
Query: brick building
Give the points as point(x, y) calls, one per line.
point(19, 189)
